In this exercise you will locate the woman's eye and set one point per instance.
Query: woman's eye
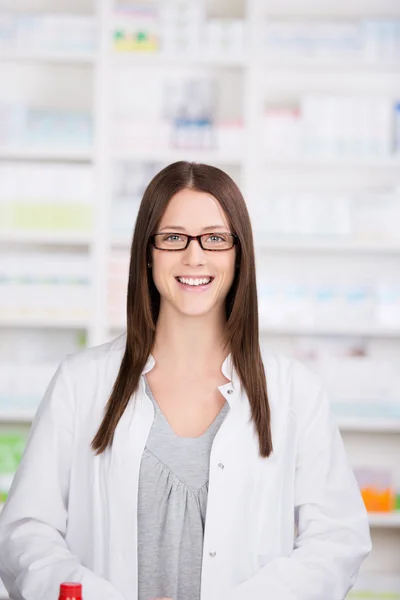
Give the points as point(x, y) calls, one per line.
point(216, 238)
point(172, 238)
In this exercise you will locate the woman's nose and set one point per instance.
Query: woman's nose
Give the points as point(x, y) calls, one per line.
point(194, 253)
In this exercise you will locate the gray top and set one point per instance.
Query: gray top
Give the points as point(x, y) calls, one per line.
point(172, 503)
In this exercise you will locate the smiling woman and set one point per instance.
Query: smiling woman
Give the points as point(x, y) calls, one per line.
point(204, 264)
point(175, 461)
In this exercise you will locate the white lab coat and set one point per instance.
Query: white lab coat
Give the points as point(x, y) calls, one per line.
point(72, 515)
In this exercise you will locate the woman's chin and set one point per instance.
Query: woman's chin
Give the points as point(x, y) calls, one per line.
point(194, 309)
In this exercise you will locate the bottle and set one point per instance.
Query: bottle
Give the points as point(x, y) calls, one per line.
point(70, 591)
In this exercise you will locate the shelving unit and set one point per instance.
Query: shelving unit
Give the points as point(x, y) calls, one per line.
point(260, 81)
point(369, 425)
point(236, 156)
point(168, 61)
point(17, 416)
point(319, 330)
point(49, 57)
point(64, 155)
point(385, 520)
point(44, 323)
point(44, 238)
point(335, 163)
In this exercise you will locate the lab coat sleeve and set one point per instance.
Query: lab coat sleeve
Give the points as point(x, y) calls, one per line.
point(34, 556)
point(333, 532)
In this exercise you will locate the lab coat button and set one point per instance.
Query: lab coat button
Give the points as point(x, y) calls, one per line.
point(221, 466)
point(213, 553)
point(229, 391)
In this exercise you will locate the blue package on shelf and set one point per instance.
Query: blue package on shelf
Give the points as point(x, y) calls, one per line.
point(397, 127)
point(58, 127)
point(366, 410)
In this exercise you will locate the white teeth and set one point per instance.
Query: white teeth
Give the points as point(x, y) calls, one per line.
point(202, 281)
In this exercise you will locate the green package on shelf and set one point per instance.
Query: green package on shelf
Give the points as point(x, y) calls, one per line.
point(12, 446)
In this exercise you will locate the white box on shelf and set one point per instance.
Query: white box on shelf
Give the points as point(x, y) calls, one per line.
point(281, 132)
point(225, 38)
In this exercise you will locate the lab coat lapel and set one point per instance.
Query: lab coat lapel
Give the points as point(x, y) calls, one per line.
point(127, 449)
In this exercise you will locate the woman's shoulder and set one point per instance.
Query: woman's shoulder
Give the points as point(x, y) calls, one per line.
point(90, 373)
point(96, 356)
point(291, 383)
point(86, 377)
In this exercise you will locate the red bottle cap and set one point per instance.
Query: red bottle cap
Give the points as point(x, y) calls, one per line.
point(70, 590)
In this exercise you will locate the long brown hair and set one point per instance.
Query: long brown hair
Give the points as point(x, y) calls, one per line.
point(143, 300)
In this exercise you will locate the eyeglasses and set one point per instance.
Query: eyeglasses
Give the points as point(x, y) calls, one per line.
point(213, 242)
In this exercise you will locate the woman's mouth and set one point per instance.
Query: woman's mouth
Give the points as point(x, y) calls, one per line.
point(194, 283)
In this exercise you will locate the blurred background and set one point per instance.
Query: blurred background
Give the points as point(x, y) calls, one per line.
point(299, 101)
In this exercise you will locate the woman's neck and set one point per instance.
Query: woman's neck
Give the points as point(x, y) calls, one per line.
point(190, 342)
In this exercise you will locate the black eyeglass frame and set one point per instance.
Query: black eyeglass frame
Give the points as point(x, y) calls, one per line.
point(194, 237)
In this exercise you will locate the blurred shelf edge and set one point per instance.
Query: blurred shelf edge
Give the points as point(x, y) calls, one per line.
point(385, 520)
point(79, 58)
point(46, 323)
point(17, 416)
point(62, 154)
point(319, 64)
point(51, 238)
point(174, 155)
point(368, 425)
point(126, 59)
point(309, 9)
point(344, 331)
point(327, 246)
point(390, 162)
point(261, 61)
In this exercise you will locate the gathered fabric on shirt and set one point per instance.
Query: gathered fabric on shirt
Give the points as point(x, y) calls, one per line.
point(172, 504)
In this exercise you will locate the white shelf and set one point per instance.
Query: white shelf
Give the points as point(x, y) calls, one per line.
point(44, 237)
point(365, 425)
point(346, 330)
point(137, 59)
point(319, 64)
point(16, 416)
point(84, 58)
point(356, 9)
point(385, 520)
point(173, 155)
point(291, 244)
point(63, 154)
point(46, 323)
point(391, 162)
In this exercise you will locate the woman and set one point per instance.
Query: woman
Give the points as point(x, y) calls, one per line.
point(174, 461)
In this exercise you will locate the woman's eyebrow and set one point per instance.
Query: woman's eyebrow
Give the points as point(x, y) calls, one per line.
point(180, 228)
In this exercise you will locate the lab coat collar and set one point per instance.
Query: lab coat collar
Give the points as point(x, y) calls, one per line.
point(227, 367)
point(231, 390)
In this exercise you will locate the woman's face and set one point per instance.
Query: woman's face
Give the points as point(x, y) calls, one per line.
point(176, 274)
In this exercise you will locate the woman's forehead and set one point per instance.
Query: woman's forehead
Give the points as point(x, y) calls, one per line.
point(190, 208)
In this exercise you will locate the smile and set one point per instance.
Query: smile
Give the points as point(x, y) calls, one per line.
point(198, 281)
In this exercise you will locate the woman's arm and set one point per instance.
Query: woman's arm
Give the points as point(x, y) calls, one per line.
point(333, 532)
point(34, 558)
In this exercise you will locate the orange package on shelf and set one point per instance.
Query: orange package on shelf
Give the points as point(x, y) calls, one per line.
point(377, 500)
